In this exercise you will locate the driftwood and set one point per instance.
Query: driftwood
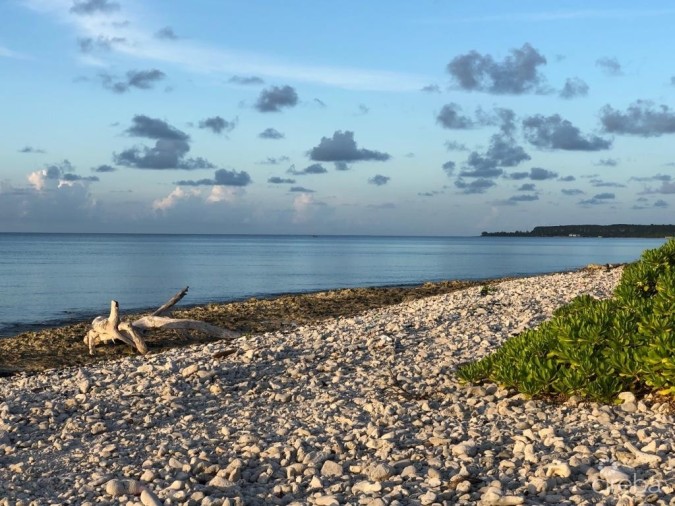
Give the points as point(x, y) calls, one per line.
point(111, 329)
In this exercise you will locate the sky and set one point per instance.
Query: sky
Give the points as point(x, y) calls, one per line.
point(434, 117)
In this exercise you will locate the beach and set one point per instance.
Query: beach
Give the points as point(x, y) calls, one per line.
point(63, 346)
point(355, 404)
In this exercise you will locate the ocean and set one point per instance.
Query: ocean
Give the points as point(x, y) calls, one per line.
point(47, 279)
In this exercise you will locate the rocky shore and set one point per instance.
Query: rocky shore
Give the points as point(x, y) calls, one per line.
point(357, 409)
point(63, 346)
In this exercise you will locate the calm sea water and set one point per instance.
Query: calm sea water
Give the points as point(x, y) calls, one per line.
point(47, 278)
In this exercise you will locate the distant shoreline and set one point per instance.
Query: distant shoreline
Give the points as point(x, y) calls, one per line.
point(612, 231)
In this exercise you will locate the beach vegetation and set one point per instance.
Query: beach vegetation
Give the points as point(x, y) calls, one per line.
point(486, 290)
point(597, 348)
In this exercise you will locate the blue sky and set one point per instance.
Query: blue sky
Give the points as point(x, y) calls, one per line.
point(411, 118)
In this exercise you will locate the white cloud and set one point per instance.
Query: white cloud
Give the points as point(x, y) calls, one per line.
point(172, 199)
point(302, 207)
point(39, 179)
point(48, 204)
point(197, 198)
point(223, 194)
point(192, 55)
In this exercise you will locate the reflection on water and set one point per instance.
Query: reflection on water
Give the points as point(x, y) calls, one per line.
point(52, 277)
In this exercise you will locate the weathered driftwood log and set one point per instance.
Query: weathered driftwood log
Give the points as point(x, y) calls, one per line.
point(163, 322)
point(165, 308)
point(110, 329)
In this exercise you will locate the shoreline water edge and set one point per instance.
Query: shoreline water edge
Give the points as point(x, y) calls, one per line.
point(354, 409)
point(49, 279)
point(61, 345)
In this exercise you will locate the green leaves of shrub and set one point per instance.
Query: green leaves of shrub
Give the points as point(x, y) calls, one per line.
point(597, 348)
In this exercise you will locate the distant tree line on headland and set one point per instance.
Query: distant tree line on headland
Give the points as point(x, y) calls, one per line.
point(647, 231)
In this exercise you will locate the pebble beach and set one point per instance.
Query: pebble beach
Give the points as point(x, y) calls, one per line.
point(359, 409)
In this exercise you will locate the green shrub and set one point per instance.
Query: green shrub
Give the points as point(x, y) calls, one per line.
point(597, 348)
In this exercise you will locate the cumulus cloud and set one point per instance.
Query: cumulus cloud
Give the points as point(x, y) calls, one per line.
point(89, 7)
point(449, 167)
point(451, 118)
point(178, 194)
point(49, 177)
point(567, 178)
point(152, 128)
point(300, 189)
point(280, 180)
point(31, 150)
point(656, 177)
point(271, 160)
point(275, 98)
point(600, 198)
point(305, 206)
point(518, 175)
point(539, 174)
point(524, 198)
point(139, 79)
point(607, 162)
point(363, 110)
point(222, 194)
point(430, 194)
point(341, 166)
point(610, 66)
point(433, 88)
point(574, 87)
point(455, 146)
point(271, 133)
point(180, 207)
point(103, 169)
point(102, 43)
point(527, 187)
point(166, 154)
point(379, 180)
point(69, 178)
point(661, 203)
point(222, 177)
point(503, 152)
point(51, 202)
point(342, 148)
point(516, 74)
point(666, 188)
point(572, 191)
point(315, 168)
point(57, 175)
point(642, 118)
point(169, 151)
point(217, 124)
point(535, 174)
point(166, 33)
point(554, 132)
point(599, 183)
point(502, 117)
point(246, 80)
point(475, 186)
point(481, 168)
